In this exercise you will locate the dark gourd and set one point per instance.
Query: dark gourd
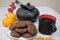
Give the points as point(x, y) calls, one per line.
point(27, 12)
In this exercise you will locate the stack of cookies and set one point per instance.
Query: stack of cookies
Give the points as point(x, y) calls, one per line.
point(24, 29)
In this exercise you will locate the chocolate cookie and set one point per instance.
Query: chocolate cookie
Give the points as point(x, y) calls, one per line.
point(27, 35)
point(21, 31)
point(32, 29)
point(28, 22)
point(15, 34)
point(20, 24)
point(11, 27)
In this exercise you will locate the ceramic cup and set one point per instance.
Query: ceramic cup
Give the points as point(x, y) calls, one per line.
point(47, 24)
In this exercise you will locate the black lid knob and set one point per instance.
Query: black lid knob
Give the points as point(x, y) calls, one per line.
point(28, 4)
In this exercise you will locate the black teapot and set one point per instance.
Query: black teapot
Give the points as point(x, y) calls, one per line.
point(27, 12)
point(47, 24)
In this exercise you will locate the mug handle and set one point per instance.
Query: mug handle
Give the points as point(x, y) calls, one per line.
point(53, 28)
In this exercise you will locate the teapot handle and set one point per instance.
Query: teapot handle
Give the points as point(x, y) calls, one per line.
point(23, 6)
point(53, 28)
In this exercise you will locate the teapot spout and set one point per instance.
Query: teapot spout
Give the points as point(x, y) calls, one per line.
point(18, 3)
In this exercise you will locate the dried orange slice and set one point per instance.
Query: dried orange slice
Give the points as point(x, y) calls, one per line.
point(40, 38)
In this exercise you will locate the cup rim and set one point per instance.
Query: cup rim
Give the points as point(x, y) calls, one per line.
point(47, 17)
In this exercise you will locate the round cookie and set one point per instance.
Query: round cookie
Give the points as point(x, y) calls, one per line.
point(11, 27)
point(20, 24)
point(27, 35)
point(15, 34)
point(32, 29)
point(21, 31)
point(28, 22)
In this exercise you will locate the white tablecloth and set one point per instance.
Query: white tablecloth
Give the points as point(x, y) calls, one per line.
point(43, 10)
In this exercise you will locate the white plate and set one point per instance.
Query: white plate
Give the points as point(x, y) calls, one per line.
point(43, 10)
point(20, 37)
